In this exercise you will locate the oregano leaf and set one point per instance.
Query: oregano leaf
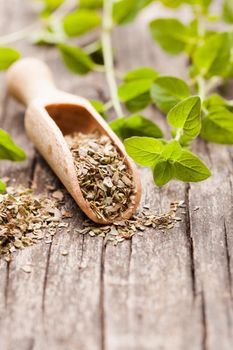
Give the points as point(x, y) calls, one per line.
point(80, 22)
point(167, 91)
point(190, 168)
point(141, 73)
point(125, 11)
point(135, 91)
point(144, 150)
point(76, 59)
point(99, 106)
point(210, 58)
point(135, 125)
point(227, 12)
point(217, 126)
point(90, 4)
point(171, 34)
point(171, 150)
point(8, 149)
point(138, 103)
point(186, 115)
point(7, 57)
point(128, 91)
point(2, 186)
point(163, 172)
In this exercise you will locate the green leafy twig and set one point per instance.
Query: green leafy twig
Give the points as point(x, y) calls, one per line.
point(9, 151)
point(191, 110)
point(108, 55)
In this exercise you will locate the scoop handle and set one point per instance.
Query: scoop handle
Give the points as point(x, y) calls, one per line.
point(30, 78)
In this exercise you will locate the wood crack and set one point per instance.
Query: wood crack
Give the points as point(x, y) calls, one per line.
point(46, 276)
point(7, 280)
point(228, 258)
point(101, 301)
point(82, 253)
point(204, 323)
point(130, 255)
point(190, 239)
point(208, 153)
point(31, 344)
point(33, 170)
point(4, 109)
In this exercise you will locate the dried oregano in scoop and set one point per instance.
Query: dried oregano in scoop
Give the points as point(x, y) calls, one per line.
point(103, 176)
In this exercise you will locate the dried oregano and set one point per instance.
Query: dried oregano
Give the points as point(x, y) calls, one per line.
point(103, 176)
point(126, 229)
point(26, 219)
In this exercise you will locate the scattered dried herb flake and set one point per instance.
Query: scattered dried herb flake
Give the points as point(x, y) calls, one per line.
point(126, 229)
point(26, 219)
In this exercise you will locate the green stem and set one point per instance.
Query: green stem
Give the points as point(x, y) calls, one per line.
point(213, 84)
point(108, 105)
point(92, 47)
point(27, 32)
point(178, 134)
point(19, 35)
point(108, 56)
point(64, 9)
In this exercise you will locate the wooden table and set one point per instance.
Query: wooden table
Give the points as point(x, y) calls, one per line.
point(163, 291)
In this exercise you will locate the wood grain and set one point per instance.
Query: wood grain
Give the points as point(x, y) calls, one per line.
point(166, 290)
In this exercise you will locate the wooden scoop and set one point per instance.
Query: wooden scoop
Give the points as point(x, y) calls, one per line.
point(51, 114)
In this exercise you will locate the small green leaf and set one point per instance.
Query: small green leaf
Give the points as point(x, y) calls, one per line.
point(190, 168)
point(125, 11)
point(2, 186)
point(135, 89)
point(163, 172)
point(186, 115)
point(214, 101)
point(135, 125)
point(141, 73)
point(7, 57)
point(167, 91)
point(99, 106)
point(228, 11)
point(8, 149)
point(217, 126)
point(172, 3)
point(177, 3)
point(210, 58)
point(138, 103)
point(117, 125)
point(144, 150)
point(91, 4)
point(80, 22)
point(203, 3)
point(76, 59)
point(179, 163)
point(50, 6)
point(128, 91)
point(171, 151)
point(171, 34)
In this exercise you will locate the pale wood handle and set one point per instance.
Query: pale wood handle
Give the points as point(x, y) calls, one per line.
point(30, 78)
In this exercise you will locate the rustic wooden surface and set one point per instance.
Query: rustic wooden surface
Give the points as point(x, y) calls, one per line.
point(163, 291)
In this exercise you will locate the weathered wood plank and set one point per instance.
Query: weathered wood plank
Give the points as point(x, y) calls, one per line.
point(211, 230)
point(169, 290)
point(150, 283)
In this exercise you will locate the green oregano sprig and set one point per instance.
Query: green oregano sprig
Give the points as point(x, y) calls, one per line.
point(192, 108)
point(9, 151)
